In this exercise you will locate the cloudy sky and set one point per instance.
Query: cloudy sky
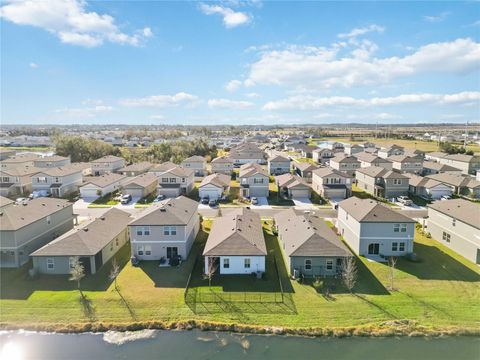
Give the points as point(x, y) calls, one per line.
point(233, 62)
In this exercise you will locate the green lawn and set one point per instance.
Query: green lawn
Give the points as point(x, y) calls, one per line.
point(108, 199)
point(442, 289)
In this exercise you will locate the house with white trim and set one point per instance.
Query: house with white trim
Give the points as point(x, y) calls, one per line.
point(214, 186)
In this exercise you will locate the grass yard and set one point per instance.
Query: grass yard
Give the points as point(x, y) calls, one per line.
point(108, 199)
point(442, 289)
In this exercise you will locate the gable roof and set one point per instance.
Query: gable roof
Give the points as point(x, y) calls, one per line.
point(460, 209)
point(222, 159)
point(326, 171)
point(141, 166)
point(305, 166)
point(5, 201)
point(218, 180)
point(51, 158)
point(439, 167)
point(240, 234)
point(108, 158)
point(369, 157)
point(90, 238)
point(195, 158)
point(176, 211)
point(17, 216)
point(377, 171)
point(252, 169)
point(342, 158)
point(456, 179)
point(291, 181)
point(22, 171)
point(61, 170)
point(142, 180)
point(20, 158)
point(436, 154)
point(171, 168)
point(420, 181)
point(403, 158)
point(278, 158)
point(103, 180)
point(308, 235)
point(367, 210)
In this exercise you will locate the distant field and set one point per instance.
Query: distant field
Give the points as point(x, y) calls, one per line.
point(427, 146)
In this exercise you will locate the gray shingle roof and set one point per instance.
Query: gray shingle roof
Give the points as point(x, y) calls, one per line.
point(236, 235)
point(141, 166)
point(251, 169)
point(460, 209)
point(176, 211)
point(5, 201)
point(219, 180)
point(108, 158)
point(326, 171)
point(88, 239)
point(366, 210)
point(143, 180)
point(103, 180)
point(222, 159)
point(377, 171)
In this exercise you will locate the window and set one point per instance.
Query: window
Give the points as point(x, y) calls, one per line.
point(140, 250)
point(41, 179)
point(49, 219)
point(116, 242)
point(308, 264)
point(164, 180)
point(397, 181)
point(50, 264)
point(72, 261)
point(403, 228)
point(394, 246)
point(5, 179)
point(258, 181)
point(396, 227)
point(111, 246)
point(56, 180)
point(183, 180)
point(329, 264)
point(402, 246)
point(246, 263)
point(169, 230)
point(148, 250)
point(453, 222)
point(226, 263)
point(145, 230)
point(346, 216)
point(446, 237)
point(173, 180)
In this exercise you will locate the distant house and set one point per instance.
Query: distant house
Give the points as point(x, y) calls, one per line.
point(136, 169)
point(309, 246)
point(352, 149)
point(391, 151)
point(222, 165)
point(245, 153)
point(435, 156)
point(344, 163)
point(304, 169)
point(305, 151)
point(236, 244)
point(165, 230)
point(51, 161)
point(469, 164)
point(278, 165)
point(214, 186)
point(18, 161)
point(335, 146)
point(381, 182)
point(58, 181)
point(141, 186)
point(459, 183)
point(92, 245)
point(6, 153)
point(293, 186)
point(331, 183)
point(29, 226)
point(96, 186)
point(432, 167)
point(17, 181)
point(173, 180)
point(427, 188)
point(196, 163)
point(455, 223)
point(254, 181)
point(407, 164)
point(322, 156)
point(107, 164)
point(374, 229)
point(368, 159)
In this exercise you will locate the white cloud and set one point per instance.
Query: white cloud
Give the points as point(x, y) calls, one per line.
point(252, 95)
point(33, 65)
point(308, 102)
point(362, 31)
point(231, 18)
point(386, 116)
point(161, 101)
point(84, 112)
point(437, 18)
point(71, 22)
point(320, 67)
point(233, 85)
point(229, 104)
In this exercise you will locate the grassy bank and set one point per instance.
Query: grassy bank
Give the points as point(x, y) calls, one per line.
point(439, 293)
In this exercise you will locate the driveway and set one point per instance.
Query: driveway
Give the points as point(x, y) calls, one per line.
point(262, 203)
point(303, 203)
point(130, 205)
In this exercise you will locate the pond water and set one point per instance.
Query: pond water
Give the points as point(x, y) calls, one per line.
point(153, 344)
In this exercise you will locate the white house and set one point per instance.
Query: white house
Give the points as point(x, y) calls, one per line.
point(96, 186)
point(214, 186)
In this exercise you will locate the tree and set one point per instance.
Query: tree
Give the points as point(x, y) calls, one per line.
point(349, 272)
point(211, 269)
point(392, 261)
point(77, 274)
point(114, 272)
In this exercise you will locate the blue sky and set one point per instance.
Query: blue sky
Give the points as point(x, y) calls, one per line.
point(232, 62)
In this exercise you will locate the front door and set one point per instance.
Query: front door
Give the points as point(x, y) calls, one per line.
point(373, 249)
point(172, 252)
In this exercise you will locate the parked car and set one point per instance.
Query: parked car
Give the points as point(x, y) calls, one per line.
point(404, 200)
point(254, 201)
point(21, 200)
point(445, 197)
point(159, 198)
point(39, 193)
point(212, 203)
point(126, 199)
point(204, 201)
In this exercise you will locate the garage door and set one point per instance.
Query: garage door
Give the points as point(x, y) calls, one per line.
point(135, 192)
point(438, 193)
point(169, 193)
point(88, 193)
point(212, 194)
point(300, 193)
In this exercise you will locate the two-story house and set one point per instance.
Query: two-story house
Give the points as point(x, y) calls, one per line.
point(322, 155)
point(345, 163)
point(222, 165)
point(51, 161)
point(21, 161)
point(196, 163)
point(30, 225)
point(173, 180)
point(57, 181)
point(369, 159)
point(352, 149)
point(305, 170)
point(96, 186)
point(381, 182)
point(293, 186)
point(407, 164)
point(254, 181)
point(432, 167)
point(469, 164)
point(278, 165)
point(331, 183)
point(6, 153)
point(107, 164)
point(393, 150)
point(245, 153)
point(17, 181)
point(136, 168)
point(373, 229)
point(165, 230)
point(456, 224)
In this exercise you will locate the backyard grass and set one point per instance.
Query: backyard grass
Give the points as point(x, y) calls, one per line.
point(442, 289)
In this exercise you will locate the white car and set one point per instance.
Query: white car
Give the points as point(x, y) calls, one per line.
point(445, 197)
point(21, 200)
point(404, 200)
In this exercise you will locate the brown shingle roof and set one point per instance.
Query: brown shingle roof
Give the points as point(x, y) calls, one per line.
point(236, 235)
point(219, 180)
point(251, 169)
point(366, 210)
point(143, 180)
point(141, 166)
point(103, 180)
point(176, 211)
point(108, 158)
point(460, 209)
point(326, 171)
point(222, 159)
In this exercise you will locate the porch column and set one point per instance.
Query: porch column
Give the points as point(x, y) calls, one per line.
point(205, 270)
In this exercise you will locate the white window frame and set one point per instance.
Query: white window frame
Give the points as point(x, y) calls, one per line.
point(148, 250)
point(401, 246)
point(308, 264)
point(403, 228)
point(247, 263)
point(329, 264)
point(226, 263)
point(394, 246)
point(169, 230)
point(396, 228)
point(140, 250)
point(50, 264)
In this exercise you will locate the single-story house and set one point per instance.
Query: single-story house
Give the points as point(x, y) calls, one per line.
point(141, 186)
point(97, 186)
point(293, 186)
point(214, 186)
